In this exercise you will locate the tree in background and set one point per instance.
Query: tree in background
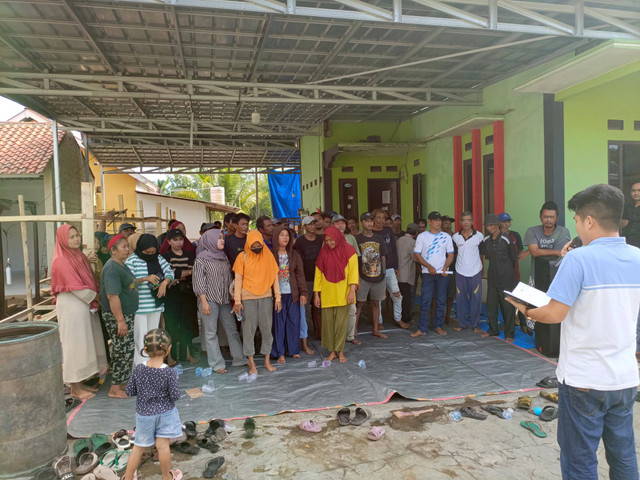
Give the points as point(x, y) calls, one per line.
point(239, 190)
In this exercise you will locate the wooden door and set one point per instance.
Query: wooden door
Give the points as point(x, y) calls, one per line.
point(349, 198)
point(384, 194)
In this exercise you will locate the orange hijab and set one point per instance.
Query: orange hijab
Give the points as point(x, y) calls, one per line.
point(258, 270)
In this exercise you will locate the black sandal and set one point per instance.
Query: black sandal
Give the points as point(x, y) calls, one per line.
point(344, 416)
point(493, 409)
point(185, 447)
point(209, 444)
point(471, 413)
point(212, 467)
point(548, 382)
point(190, 429)
point(548, 413)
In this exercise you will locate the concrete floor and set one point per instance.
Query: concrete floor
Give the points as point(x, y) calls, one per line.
point(429, 446)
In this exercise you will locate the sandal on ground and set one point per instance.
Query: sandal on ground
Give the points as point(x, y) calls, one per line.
point(62, 467)
point(524, 402)
point(104, 448)
point(46, 473)
point(99, 439)
point(86, 463)
point(185, 447)
point(376, 433)
point(344, 416)
point(310, 426)
point(71, 403)
point(471, 413)
point(548, 382)
point(548, 413)
point(213, 426)
point(534, 428)
point(176, 474)
point(90, 476)
point(493, 409)
point(190, 429)
point(208, 444)
point(115, 459)
point(361, 415)
point(212, 467)
point(105, 473)
point(249, 428)
point(552, 397)
point(81, 447)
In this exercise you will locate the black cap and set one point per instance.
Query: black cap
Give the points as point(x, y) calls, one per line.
point(174, 233)
point(434, 216)
point(491, 219)
point(124, 226)
point(366, 216)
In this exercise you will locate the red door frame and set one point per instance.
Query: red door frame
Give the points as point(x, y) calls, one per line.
point(498, 166)
point(476, 178)
point(457, 175)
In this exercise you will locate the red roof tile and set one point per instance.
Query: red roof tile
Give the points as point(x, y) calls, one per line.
point(26, 147)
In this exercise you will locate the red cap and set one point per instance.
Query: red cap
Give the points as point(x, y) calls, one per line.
point(114, 240)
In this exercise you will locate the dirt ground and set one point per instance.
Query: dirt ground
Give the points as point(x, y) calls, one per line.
point(427, 446)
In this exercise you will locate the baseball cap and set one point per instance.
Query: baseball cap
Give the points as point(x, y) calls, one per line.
point(503, 217)
point(412, 228)
point(124, 226)
point(366, 216)
point(174, 233)
point(447, 217)
point(337, 218)
point(491, 219)
point(307, 220)
point(434, 216)
point(396, 217)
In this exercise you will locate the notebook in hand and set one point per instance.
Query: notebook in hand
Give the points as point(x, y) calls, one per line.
point(530, 296)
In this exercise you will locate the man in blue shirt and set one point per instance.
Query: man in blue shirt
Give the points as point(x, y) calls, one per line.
point(596, 296)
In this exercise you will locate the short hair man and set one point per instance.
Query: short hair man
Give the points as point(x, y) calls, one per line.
point(631, 217)
point(372, 272)
point(422, 225)
point(501, 276)
point(407, 270)
point(434, 252)
point(217, 225)
point(229, 226)
point(234, 244)
point(468, 274)
point(545, 242)
point(447, 224)
point(319, 223)
point(265, 226)
point(396, 226)
point(513, 236)
point(352, 225)
point(594, 297)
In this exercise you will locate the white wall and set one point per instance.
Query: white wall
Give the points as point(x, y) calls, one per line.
point(192, 214)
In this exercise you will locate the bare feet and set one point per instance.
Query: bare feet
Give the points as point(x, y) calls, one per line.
point(377, 333)
point(509, 340)
point(355, 341)
point(281, 359)
point(440, 331)
point(485, 335)
point(191, 360)
point(78, 392)
point(92, 389)
point(332, 356)
point(222, 370)
point(417, 333)
point(341, 357)
point(116, 392)
point(478, 330)
point(457, 329)
point(402, 325)
point(267, 364)
point(296, 356)
point(252, 367)
point(306, 348)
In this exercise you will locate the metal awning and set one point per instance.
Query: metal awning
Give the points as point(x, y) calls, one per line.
point(173, 84)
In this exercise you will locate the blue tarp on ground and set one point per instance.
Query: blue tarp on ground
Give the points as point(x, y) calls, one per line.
point(286, 198)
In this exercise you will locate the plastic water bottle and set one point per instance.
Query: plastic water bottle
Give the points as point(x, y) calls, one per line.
point(326, 363)
point(198, 371)
point(252, 378)
point(179, 370)
point(240, 315)
point(362, 365)
point(507, 414)
point(312, 364)
point(456, 416)
point(243, 377)
point(209, 387)
point(207, 371)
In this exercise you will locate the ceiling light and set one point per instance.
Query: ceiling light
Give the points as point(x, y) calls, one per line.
point(255, 117)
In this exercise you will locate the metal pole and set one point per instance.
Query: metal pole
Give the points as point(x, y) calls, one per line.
point(2, 280)
point(36, 256)
point(257, 202)
point(56, 170)
point(102, 190)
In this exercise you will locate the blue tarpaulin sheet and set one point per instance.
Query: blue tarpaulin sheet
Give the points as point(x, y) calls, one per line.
point(286, 199)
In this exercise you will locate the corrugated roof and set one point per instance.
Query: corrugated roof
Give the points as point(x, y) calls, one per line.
point(26, 148)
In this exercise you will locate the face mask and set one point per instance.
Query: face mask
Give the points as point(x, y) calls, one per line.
point(256, 250)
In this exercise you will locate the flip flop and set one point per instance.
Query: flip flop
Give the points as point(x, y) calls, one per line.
point(81, 447)
point(548, 413)
point(46, 473)
point(249, 428)
point(524, 402)
point(471, 413)
point(91, 476)
point(185, 447)
point(175, 474)
point(71, 403)
point(123, 443)
point(493, 409)
point(190, 429)
point(121, 460)
point(213, 426)
point(344, 416)
point(361, 415)
point(548, 382)
point(212, 467)
point(376, 433)
point(98, 439)
point(534, 428)
point(104, 448)
point(86, 463)
point(62, 467)
point(552, 397)
point(208, 444)
point(105, 473)
point(310, 426)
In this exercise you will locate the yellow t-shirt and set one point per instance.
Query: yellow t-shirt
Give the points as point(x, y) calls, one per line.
point(335, 294)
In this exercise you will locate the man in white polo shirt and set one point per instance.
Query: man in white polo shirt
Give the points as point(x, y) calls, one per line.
point(596, 296)
point(468, 275)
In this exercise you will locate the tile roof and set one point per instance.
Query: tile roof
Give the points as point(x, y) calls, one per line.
point(26, 147)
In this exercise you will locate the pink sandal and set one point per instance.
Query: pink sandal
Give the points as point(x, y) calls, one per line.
point(376, 433)
point(310, 426)
point(176, 474)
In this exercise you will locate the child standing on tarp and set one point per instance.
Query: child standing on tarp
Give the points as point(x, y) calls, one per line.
point(157, 420)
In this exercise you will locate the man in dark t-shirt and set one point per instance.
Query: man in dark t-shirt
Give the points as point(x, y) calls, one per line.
point(391, 271)
point(308, 246)
point(631, 217)
point(234, 244)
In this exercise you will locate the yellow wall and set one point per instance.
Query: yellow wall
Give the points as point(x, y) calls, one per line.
point(115, 185)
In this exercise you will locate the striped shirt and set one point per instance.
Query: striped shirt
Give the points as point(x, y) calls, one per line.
point(212, 279)
point(147, 304)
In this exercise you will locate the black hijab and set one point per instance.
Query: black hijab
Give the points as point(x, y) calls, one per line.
point(153, 264)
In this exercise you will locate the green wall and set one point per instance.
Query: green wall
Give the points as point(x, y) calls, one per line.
point(311, 172)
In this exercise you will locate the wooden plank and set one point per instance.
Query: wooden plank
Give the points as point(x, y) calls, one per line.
point(121, 207)
point(25, 313)
point(70, 217)
point(64, 208)
point(25, 255)
point(158, 219)
point(88, 225)
point(141, 211)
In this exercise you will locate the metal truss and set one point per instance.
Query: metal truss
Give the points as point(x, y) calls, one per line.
point(537, 18)
point(148, 88)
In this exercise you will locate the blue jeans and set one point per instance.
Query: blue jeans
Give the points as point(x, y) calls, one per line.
point(429, 282)
point(584, 416)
